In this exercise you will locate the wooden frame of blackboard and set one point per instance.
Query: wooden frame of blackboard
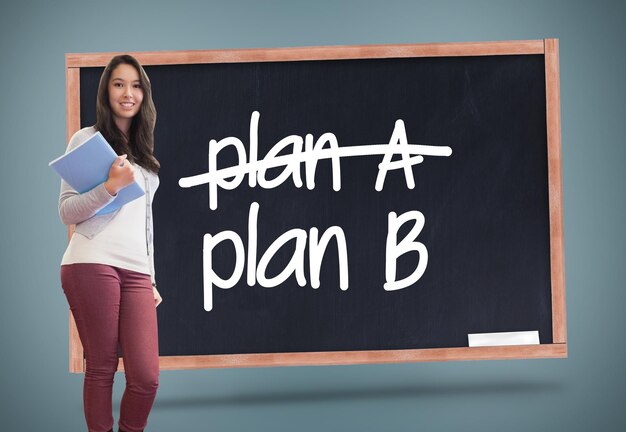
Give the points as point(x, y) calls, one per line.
point(547, 47)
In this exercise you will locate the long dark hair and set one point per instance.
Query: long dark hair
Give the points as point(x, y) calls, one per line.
point(139, 144)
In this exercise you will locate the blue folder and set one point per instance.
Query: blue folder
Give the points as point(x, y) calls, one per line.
point(88, 165)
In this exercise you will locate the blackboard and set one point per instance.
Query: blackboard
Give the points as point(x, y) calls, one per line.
point(482, 207)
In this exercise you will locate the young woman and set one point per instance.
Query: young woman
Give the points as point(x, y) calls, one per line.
point(107, 271)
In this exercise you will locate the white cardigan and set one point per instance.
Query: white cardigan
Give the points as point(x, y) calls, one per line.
point(122, 238)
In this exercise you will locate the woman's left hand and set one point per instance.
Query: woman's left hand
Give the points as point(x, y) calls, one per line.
point(157, 296)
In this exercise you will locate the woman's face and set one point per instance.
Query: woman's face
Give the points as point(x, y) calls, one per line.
point(125, 94)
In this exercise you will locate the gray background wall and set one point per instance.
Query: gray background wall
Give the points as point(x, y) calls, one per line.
point(584, 391)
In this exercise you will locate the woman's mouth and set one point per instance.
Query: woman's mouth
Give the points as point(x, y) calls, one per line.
point(127, 105)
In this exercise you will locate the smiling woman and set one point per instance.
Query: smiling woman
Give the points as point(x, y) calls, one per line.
point(123, 83)
point(125, 95)
point(107, 271)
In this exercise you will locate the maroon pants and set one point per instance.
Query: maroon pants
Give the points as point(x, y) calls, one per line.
point(112, 305)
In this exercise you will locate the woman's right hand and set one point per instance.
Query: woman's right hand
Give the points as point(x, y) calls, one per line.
point(121, 174)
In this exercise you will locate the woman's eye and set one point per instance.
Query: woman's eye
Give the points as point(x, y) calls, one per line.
point(117, 84)
point(137, 85)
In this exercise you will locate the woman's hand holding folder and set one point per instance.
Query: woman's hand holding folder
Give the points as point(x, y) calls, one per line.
point(121, 175)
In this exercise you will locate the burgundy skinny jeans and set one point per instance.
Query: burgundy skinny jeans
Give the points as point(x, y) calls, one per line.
point(112, 305)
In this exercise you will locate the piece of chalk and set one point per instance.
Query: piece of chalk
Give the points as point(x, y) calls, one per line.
point(504, 338)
